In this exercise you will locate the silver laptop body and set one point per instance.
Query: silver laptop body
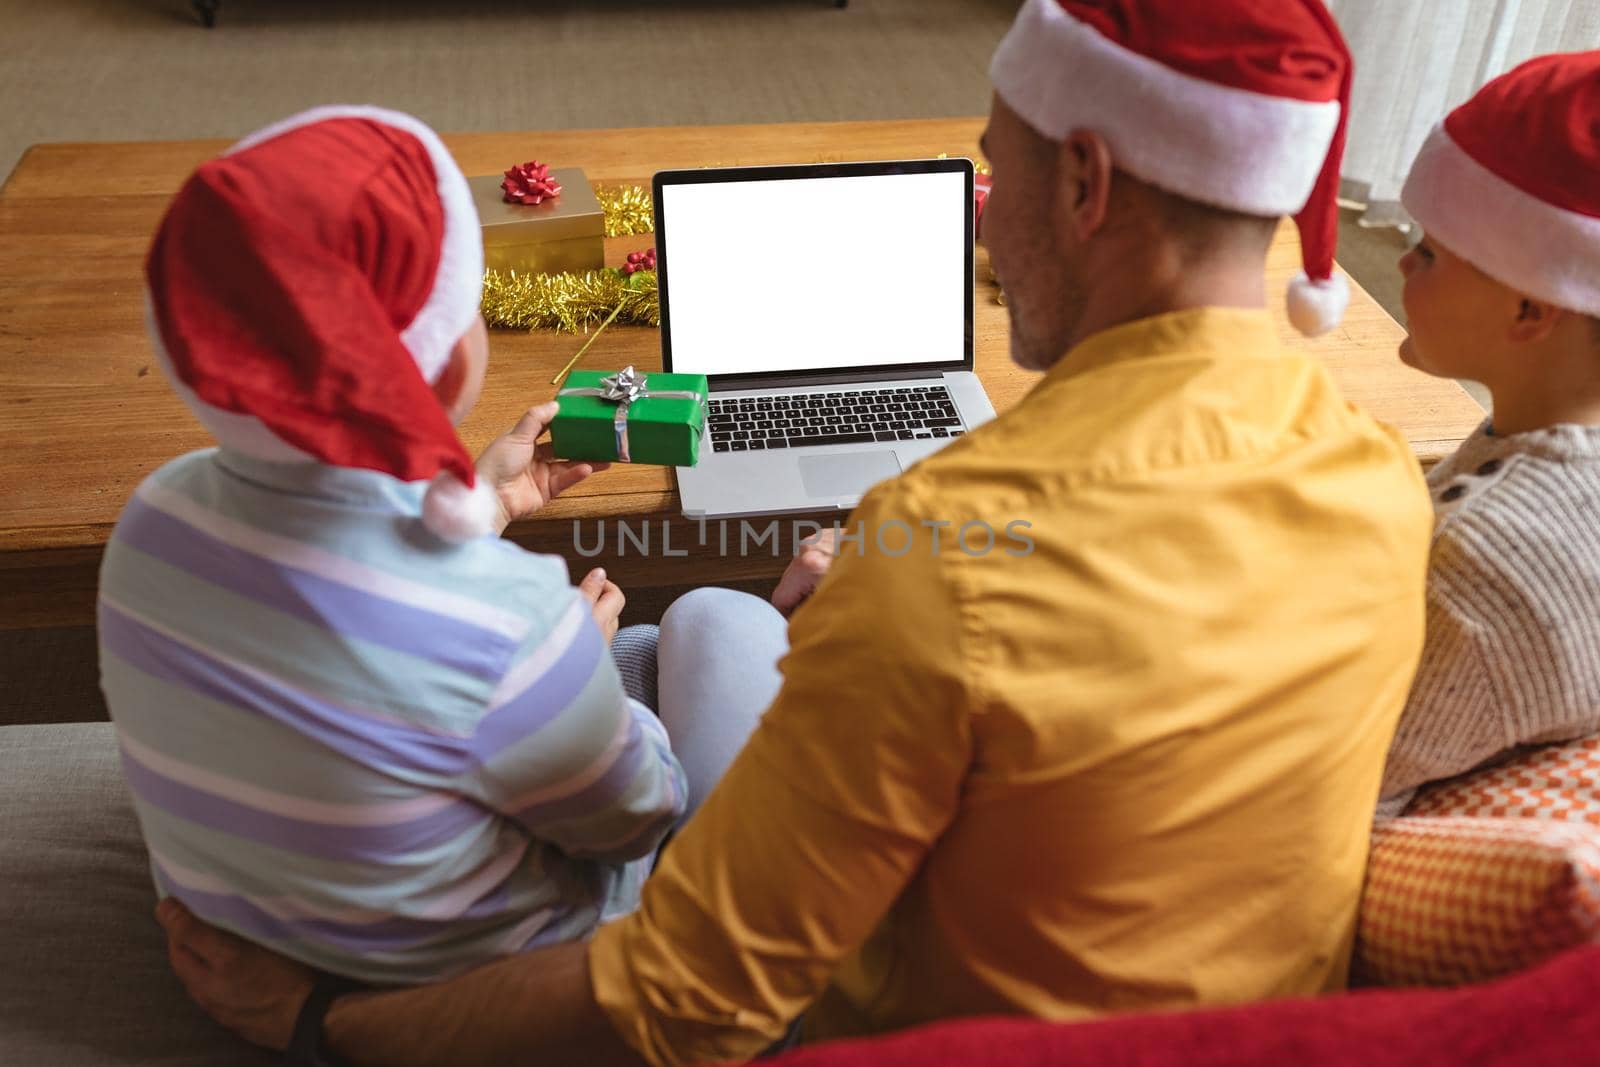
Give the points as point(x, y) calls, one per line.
point(830, 308)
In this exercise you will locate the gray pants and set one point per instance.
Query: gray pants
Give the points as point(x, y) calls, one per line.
point(710, 671)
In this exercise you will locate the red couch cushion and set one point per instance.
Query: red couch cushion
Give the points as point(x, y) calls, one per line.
point(1537, 1018)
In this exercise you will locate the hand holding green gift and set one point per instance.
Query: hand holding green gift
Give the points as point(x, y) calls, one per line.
point(524, 474)
point(629, 417)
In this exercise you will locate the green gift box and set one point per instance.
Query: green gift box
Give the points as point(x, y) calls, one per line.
point(630, 417)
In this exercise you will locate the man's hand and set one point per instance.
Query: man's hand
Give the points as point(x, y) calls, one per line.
point(605, 600)
point(523, 473)
point(253, 992)
point(804, 573)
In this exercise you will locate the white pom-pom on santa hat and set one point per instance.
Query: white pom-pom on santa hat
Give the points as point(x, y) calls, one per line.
point(1317, 306)
point(456, 512)
point(1234, 103)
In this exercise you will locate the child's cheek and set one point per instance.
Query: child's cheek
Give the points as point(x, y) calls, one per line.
point(1421, 321)
point(1412, 298)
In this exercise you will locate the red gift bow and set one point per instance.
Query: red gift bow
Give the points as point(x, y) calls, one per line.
point(529, 183)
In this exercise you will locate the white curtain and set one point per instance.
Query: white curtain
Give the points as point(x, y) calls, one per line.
point(1418, 59)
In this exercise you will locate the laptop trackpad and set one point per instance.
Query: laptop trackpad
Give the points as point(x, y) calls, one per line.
point(846, 474)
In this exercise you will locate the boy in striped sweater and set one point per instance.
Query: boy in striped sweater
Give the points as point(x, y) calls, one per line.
point(1504, 289)
point(358, 727)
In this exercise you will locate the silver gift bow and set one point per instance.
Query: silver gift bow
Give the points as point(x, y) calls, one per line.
point(622, 389)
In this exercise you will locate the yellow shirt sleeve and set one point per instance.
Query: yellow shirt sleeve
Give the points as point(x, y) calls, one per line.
point(824, 817)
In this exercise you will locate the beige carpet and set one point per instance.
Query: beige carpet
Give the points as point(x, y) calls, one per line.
point(121, 69)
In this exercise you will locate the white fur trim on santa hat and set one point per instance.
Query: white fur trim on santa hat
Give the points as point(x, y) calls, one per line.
point(1317, 305)
point(1227, 147)
point(1516, 238)
point(456, 513)
point(458, 284)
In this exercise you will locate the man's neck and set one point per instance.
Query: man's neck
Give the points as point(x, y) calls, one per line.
point(1155, 283)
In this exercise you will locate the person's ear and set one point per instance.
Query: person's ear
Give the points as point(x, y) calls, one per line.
point(1536, 320)
point(1083, 184)
point(451, 384)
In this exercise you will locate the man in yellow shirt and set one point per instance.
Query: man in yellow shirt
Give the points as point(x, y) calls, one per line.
point(1131, 765)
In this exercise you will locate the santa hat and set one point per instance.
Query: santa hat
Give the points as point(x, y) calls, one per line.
point(1510, 181)
point(305, 290)
point(1240, 104)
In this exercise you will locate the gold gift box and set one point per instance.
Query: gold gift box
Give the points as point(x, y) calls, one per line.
point(566, 233)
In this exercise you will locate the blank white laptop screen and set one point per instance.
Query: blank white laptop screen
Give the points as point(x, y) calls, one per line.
point(808, 274)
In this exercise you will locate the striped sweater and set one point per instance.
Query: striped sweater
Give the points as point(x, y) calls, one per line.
point(1513, 648)
point(386, 756)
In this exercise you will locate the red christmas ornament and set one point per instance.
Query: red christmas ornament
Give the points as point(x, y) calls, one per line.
point(638, 261)
point(530, 183)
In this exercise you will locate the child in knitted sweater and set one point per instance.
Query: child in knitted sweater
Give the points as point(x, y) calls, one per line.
point(1504, 289)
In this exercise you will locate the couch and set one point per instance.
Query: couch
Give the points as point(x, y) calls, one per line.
point(84, 979)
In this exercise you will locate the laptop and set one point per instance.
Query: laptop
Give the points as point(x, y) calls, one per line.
point(830, 309)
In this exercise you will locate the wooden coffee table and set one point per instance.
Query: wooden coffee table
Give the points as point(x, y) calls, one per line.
point(87, 414)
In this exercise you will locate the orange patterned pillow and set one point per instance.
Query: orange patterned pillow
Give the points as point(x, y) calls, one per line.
point(1555, 782)
point(1455, 899)
point(1487, 873)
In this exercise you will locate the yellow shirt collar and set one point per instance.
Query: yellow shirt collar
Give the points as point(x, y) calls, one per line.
point(1206, 332)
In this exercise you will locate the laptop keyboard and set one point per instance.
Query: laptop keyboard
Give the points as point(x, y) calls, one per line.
point(858, 416)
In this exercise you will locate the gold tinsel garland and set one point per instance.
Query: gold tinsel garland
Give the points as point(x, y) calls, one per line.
point(628, 209)
point(570, 302)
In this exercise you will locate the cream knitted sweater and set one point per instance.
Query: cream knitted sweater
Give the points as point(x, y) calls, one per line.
point(1513, 648)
